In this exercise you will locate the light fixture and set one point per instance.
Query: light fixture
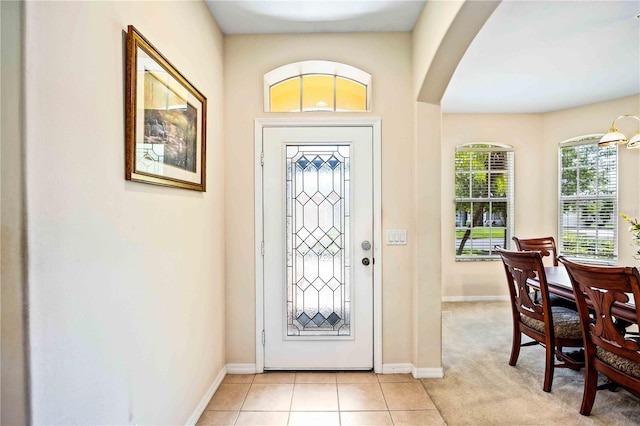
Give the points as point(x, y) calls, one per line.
point(614, 137)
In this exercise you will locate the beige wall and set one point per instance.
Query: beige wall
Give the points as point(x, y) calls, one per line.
point(14, 364)
point(427, 340)
point(590, 119)
point(126, 280)
point(535, 138)
point(524, 133)
point(388, 58)
point(430, 30)
point(441, 37)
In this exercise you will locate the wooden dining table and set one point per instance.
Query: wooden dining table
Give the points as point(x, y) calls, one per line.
point(559, 283)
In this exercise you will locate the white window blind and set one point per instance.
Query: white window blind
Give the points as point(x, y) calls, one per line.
point(484, 200)
point(588, 202)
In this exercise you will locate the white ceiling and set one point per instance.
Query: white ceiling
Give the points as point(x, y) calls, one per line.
point(314, 16)
point(539, 56)
point(530, 57)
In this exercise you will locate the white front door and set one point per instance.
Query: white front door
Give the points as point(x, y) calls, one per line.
point(318, 248)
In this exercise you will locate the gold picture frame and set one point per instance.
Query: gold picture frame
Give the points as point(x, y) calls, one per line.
point(166, 120)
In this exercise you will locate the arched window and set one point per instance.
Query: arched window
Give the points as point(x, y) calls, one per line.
point(588, 200)
point(312, 86)
point(484, 199)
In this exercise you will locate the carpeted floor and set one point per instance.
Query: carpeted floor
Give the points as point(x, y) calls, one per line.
point(481, 388)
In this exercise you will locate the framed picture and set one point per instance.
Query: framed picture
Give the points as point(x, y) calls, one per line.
point(166, 120)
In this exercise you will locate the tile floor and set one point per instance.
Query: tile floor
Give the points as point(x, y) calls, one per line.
point(341, 399)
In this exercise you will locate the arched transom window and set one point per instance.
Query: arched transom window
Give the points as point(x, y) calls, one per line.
point(312, 86)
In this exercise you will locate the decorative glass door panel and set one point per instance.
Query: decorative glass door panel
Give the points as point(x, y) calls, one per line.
point(317, 210)
point(317, 189)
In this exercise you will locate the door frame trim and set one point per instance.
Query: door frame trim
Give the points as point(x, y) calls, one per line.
point(375, 124)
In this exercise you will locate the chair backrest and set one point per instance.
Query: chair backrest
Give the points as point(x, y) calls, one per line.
point(545, 245)
point(520, 267)
point(604, 286)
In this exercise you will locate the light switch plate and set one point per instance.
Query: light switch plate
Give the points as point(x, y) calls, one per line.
point(396, 237)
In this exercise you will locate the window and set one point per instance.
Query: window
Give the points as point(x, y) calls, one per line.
point(588, 202)
point(313, 86)
point(484, 200)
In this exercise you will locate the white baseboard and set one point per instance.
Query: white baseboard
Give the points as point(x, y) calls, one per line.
point(397, 368)
point(475, 298)
point(241, 368)
point(428, 373)
point(206, 398)
point(418, 373)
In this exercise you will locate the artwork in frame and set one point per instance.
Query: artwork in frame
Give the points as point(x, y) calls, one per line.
point(165, 120)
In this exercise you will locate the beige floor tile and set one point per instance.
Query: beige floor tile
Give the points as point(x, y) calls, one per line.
point(360, 397)
point(217, 418)
point(263, 418)
point(406, 396)
point(395, 378)
point(356, 378)
point(417, 418)
point(229, 397)
point(275, 378)
point(238, 378)
point(315, 397)
point(315, 377)
point(365, 418)
point(268, 397)
point(326, 418)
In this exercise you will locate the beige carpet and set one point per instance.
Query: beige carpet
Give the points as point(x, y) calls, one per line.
point(481, 388)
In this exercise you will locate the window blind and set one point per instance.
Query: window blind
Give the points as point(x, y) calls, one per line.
point(588, 201)
point(484, 200)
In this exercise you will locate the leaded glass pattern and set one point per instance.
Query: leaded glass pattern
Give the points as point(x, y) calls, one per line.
point(317, 209)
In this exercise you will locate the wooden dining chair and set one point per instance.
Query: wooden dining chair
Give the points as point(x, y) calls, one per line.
point(607, 350)
point(552, 327)
point(545, 245)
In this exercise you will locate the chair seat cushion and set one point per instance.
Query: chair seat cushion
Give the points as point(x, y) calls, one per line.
point(619, 363)
point(555, 301)
point(566, 323)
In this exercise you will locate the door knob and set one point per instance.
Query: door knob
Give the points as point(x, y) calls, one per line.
point(366, 261)
point(366, 245)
